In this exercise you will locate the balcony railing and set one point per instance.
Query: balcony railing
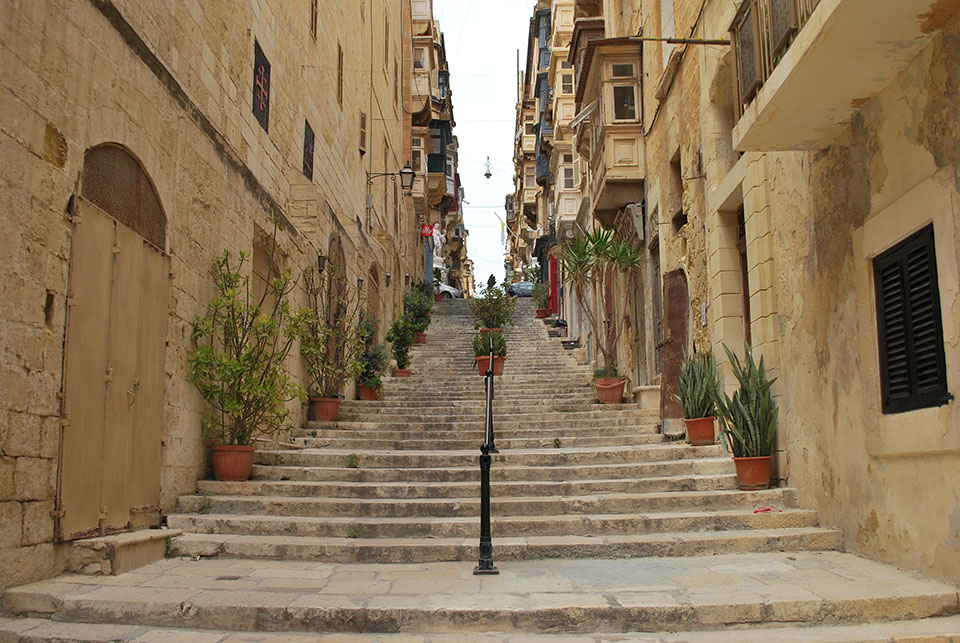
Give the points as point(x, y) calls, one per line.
point(762, 32)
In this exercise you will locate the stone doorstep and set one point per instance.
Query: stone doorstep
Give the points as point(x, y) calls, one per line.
point(704, 594)
point(119, 553)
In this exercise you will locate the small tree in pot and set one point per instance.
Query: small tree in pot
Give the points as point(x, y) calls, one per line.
point(400, 337)
point(373, 361)
point(590, 261)
point(240, 346)
point(749, 421)
point(698, 395)
point(329, 339)
point(541, 295)
point(493, 308)
point(418, 306)
point(481, 352)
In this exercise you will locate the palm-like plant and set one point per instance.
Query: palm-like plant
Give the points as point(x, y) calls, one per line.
point(749, 418)
point(590, 261)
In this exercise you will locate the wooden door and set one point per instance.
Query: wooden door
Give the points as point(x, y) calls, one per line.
point(676, 322)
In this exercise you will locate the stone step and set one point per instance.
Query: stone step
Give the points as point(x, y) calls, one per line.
point(748, 590)
point(343, 442)
point(503, 526)
point(525, 457)
point(376, 431)
point(545, 413)
point(926, 630)
point(702, 466)
point(311, 489)
point(499, 506)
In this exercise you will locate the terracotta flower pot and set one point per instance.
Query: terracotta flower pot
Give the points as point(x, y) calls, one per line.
point(753, 473)
point(483, 363)
point(324, 409)
point(542, 313)
point(485, 330)
point(368, 394)
point(232, 463)
point(437, 297)
point(700, 431)
point(401, 372)
point(609, 389)
point(419, 338)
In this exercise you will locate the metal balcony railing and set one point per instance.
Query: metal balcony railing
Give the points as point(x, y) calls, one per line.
point(762, 32)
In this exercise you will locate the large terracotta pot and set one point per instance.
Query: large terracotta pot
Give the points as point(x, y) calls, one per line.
point(609, 389)
point(368, 394)
point(401, 372)
point(542, 313)
point(232, 463)
point(753, 473)
point(419, 338)
point(485, 330)
point(700, 431)
point(438, 296)
point(483, 363)
point(324, 409)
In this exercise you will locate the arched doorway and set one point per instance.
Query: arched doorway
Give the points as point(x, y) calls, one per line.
point(114, 349)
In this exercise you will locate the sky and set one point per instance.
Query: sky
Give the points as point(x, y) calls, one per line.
point(482, 38)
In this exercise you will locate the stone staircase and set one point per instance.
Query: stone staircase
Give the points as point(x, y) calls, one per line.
point(397, 480)
point(602, 530)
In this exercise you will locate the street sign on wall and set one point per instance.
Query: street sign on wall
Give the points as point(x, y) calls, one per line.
point(426, 230)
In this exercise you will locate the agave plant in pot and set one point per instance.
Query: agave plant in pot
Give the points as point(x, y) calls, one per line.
point(373, 361)
point(330, 343)
point(481, 350)
point(698, 395)
point(749, 421)
point(541, 295)
point(590, 262)
point(400, 337)
point(240, 346)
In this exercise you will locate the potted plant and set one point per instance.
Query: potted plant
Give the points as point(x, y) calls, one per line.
point(590, 261)
point(481, 352)
point(373, 361)
point(400, 337)
point(541, 295)
point(330, 343)
point(698, 394)
point(240, 346)
point(437, 295)
point(418, 306)
point(493, 309)
point(749, 421)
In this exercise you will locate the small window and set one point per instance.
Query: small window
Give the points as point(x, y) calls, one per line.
point(417, 160)
point(418, 58)
point(261, 87)
point(567, 84)
point(913, 373)
point(530, 177)
point(308, 141)
point(568, 178)
point(417, 142)
point(623, 71)
point(565, 64)
point(624, 103)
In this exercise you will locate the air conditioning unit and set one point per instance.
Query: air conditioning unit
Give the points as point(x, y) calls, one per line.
point(636, 214)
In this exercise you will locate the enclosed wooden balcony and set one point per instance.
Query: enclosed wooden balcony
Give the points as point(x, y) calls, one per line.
point(803, 67)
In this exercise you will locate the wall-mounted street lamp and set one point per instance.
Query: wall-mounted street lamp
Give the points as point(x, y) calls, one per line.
point(359, 283)
point(388, 278)
point(406, 177)
point(321, 262)
point(406, 280)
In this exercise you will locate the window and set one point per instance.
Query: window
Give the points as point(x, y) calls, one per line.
point(417, 155)
point(418, 58)
point(308, 140)
point(261, 87)
point(913, 372)
point(565, 64)
point(528, 124)
point(624, 103)
point(314, 12)
point(339, 74)
point(568, 172)
point(624, 70)
point(567, 84)
point(530, 177)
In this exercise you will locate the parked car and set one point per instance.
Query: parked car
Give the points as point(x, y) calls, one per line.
point(521, 289)
point(448, 292)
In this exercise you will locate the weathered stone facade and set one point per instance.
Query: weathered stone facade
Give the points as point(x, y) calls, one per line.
point(171, 82)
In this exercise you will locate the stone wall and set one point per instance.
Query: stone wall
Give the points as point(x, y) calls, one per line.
point(172, 82)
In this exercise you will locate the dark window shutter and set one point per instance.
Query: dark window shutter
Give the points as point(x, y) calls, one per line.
point(308, 140)
point(913, 372)
point(261, 87)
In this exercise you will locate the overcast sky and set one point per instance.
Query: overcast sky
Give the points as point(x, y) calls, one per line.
point(482, 38)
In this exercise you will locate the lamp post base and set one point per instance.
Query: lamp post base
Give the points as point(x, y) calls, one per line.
point(484, 570)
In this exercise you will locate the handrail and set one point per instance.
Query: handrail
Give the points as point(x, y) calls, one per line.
point(485, 564)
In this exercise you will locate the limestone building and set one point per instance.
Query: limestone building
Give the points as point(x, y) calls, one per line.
point(139, 141)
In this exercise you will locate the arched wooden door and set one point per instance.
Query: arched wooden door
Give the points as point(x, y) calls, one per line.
point(114, 349)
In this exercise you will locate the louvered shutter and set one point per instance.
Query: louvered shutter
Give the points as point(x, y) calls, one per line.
point(912, 362)
point(363, 133)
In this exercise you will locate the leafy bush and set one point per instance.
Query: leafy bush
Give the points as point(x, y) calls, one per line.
point(481, 344)
point(699, 386)
point(541, 294)
point(240, 347)
point(400, 337)
point(493, 308)
point(329, 339)
point(373, 359)
point(418, 305)
point(749, 418)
